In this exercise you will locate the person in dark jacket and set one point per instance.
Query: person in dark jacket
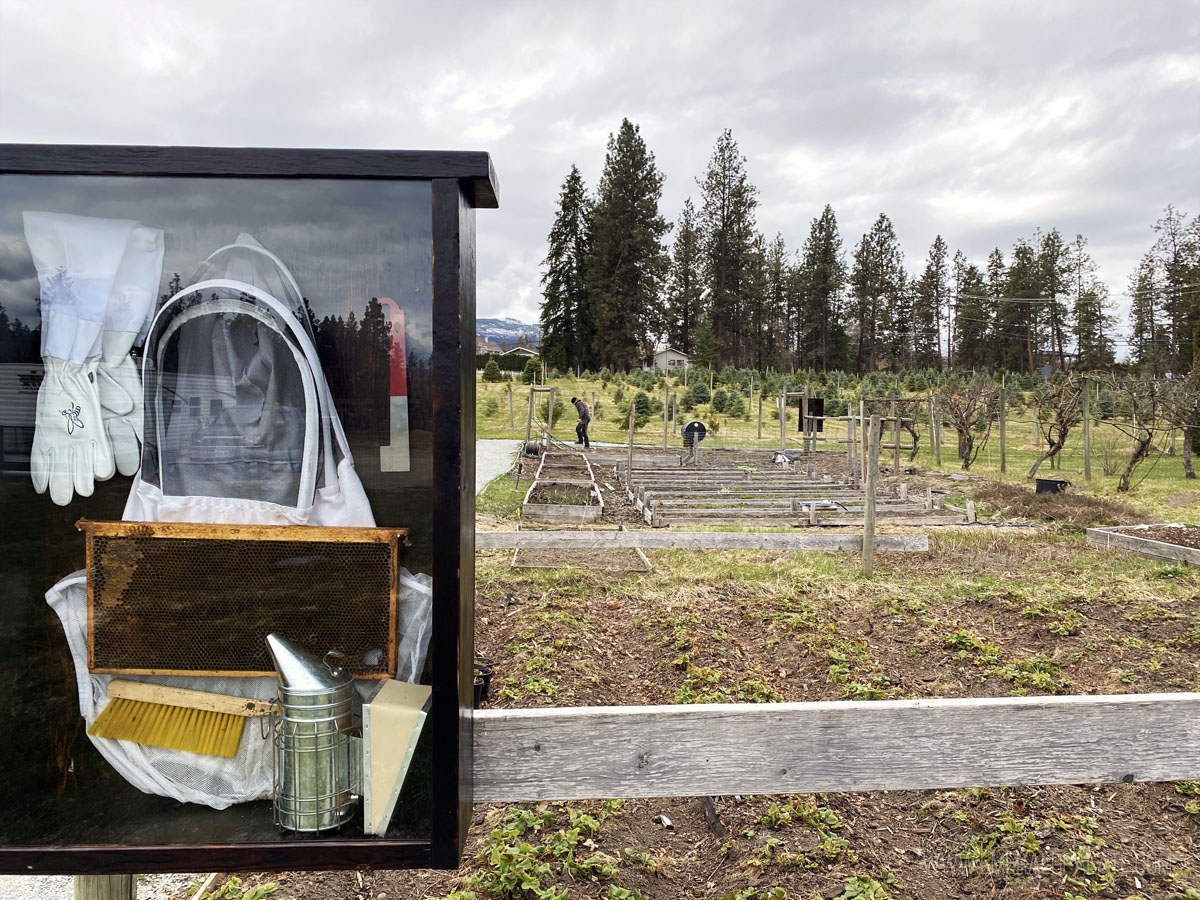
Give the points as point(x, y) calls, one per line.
point(581, 435)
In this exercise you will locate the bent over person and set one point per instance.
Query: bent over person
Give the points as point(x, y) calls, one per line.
point(581, 435)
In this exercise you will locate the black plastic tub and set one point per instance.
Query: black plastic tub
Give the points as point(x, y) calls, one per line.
point(1051, 485)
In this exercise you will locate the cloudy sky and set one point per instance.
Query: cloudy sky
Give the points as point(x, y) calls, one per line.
point(979, 121)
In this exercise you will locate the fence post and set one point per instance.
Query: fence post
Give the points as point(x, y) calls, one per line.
point(872, 462)
point(1003, 427)
point(862, 457)
point(105, 887)
point(935, 436)
point(895, 438)
point(511, 423)
point(629, 462)
point(550, 418)
point(1087, 431)
point(760, 417)
point(666, 407)
point(804, 421)
point(783, 421)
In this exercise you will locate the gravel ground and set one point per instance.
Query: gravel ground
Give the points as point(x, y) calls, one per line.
point(492, 458)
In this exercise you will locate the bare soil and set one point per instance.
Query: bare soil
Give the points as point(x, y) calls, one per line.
point(567, 494)
point(1182, 535)
point(979, 615)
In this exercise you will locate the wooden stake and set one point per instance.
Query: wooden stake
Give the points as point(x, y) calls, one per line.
point(511, 423)
point(550, 418)
point(872, 462)
point(760, 417)
point(804, 420)
point(783, 421)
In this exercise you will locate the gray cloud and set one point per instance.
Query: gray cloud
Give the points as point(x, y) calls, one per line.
point(981, 122)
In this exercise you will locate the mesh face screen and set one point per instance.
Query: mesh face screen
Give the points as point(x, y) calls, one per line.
point(190, 605)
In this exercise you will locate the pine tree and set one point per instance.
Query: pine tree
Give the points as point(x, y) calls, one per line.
point(728, 202)
point(997, 273)
point(568, 332)
point(770, 304)
point(929, 298)
point(1018, 330)
point(685, 290)
point(821, 283)
point(1054, 281)
point(877, 280)
point(1148, 339)
point(627, 262)
point(973, 321)
point(1093, 322)
point(1177, 255)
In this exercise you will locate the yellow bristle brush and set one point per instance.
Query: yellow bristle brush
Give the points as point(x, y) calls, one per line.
point(175, 718)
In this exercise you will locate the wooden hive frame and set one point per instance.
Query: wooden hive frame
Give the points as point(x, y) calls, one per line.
point(104, 567)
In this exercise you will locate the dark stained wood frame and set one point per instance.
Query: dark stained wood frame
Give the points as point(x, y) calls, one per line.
point(461, 182)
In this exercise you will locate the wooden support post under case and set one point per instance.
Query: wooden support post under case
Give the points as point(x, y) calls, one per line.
point(872, 459)
point(105, 887)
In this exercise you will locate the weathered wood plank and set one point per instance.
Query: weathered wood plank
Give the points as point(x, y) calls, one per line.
point(698, 540)
point(1131, 541)
point(678, 751)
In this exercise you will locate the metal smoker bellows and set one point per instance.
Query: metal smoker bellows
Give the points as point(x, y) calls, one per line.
point(317, 759)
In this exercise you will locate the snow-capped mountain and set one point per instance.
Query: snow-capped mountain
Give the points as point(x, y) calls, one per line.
point(508, 331)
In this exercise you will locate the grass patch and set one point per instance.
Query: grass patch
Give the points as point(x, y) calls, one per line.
point(1068, 513)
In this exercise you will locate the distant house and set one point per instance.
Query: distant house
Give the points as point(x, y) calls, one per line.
point(521, 351)
point(482, 345)
point(666, 359)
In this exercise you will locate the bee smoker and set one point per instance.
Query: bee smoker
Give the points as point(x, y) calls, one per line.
point(318, 764)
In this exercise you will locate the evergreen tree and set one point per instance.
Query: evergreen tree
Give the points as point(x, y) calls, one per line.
point(958, 273)
point(568, 332)
point(1148, 339)
point(1054, 280)
point(973, 321)
point(769, 304)
point(1017, 326)
point(685, 290)
point(1093, 323)
point(1177, 256)
point(728, 202)
point(626, 262)
point(821, 282)
point(997, 272)
point(877, 281)
point(929, 299)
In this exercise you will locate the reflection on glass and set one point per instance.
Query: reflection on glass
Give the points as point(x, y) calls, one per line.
point(288, 370)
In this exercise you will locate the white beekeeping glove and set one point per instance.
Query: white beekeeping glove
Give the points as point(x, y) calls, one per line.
point(129, 307)
point(77, 258)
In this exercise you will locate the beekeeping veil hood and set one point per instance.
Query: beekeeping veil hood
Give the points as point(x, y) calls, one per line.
point(240, 426)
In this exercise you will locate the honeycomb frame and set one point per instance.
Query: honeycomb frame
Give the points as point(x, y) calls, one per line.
point(326, 588)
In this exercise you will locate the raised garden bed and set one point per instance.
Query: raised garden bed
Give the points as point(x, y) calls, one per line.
point(565, 468)
point(1174, 542)
point(562, 501)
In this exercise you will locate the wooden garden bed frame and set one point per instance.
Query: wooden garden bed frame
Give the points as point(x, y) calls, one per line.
point(1125, 537)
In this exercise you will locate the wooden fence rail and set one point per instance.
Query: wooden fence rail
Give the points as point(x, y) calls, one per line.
point(772, 748)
